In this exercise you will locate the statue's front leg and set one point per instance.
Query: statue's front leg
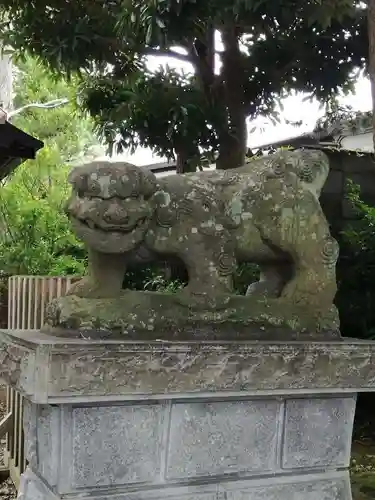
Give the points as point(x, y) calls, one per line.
point(104, 277)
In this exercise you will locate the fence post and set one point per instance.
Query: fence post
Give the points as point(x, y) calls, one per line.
point(27, 300)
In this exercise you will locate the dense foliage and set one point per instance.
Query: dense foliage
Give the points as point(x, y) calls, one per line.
point(266, 49)
point(356, 271)
point(35, 234)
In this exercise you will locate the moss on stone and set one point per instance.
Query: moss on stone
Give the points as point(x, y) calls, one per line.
point(267, 213)
point(363, 472)
point(177, 316)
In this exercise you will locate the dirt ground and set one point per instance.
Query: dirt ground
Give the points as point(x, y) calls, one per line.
point(363, 470)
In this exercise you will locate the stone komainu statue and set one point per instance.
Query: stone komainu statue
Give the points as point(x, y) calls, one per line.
point(266, 212)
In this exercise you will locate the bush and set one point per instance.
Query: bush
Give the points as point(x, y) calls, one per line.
point(356, 270)
point(36, 238)
point(35, 234)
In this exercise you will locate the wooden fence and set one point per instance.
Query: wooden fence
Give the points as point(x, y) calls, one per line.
point(27, 300)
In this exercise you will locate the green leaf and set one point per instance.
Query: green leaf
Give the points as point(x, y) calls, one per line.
point(289, 45)
point(148, 34)
point(160, 22)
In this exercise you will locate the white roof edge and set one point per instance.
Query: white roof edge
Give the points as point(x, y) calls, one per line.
point(3, 116)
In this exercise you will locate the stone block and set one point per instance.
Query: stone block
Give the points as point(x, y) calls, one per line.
point(42, 432)
point(116, 445)
point(296, 489)
point(192, 421)
point(222, 437)
point(32, 488)
point(47, 369)
point(48, 442)
point(330, 486)
point(318, 432)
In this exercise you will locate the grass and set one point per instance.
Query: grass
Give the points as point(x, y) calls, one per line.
point(363, 470)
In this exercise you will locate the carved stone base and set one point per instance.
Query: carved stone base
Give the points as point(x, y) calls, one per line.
point(151, 315)
point(192, 421)
point(328, 486)
point(203, 449)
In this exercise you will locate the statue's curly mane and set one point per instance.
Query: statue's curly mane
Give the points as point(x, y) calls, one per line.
point(106, 179)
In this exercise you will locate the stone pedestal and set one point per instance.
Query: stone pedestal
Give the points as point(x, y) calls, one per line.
point(221, 420)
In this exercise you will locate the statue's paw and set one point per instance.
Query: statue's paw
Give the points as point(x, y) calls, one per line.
point(298, 292)
point(88, 290)
point(314, 290)
point(202, 300)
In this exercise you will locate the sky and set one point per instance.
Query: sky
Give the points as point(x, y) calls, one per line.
point(294, 109)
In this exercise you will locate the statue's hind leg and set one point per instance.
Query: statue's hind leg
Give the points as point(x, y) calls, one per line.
point(304, 235)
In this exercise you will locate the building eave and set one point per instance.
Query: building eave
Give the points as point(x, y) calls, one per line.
point(16, 146)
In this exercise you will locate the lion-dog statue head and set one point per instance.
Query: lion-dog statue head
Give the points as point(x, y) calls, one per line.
point(110, 205)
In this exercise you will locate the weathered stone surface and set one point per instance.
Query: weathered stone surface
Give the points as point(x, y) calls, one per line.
point(266, 212)
point(318, 432)
point(209, 439)
point(116, 445)
point(163, 316)
point(329, 486)
point(42, 430)
point(67, 370)
point(190, 420)
point(140, 448)
point(32, 488)
point(163, 442)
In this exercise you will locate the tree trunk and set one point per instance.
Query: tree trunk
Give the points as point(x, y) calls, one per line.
point(233, 137)
point(233, 145)
point(371, 31)
point(6, 81)
point(186, 159)
point(181, 163)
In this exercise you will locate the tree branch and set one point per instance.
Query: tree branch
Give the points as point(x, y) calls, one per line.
point(166, 53)
point(202, 60)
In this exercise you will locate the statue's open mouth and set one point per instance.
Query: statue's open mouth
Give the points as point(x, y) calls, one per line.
point(122, 228)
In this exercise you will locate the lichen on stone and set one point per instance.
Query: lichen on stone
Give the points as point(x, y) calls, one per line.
point(266, 212)
point(164, 316)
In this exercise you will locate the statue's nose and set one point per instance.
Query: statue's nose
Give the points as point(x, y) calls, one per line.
point(115, 214)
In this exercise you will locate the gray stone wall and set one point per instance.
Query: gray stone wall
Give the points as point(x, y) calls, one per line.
point(273, 448)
